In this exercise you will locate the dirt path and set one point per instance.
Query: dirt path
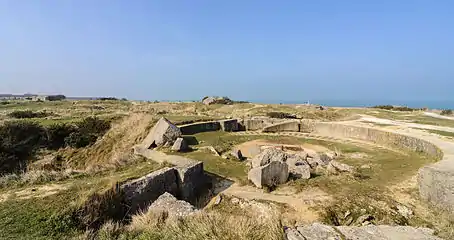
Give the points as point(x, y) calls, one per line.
point(301, 202)
point(366, 118)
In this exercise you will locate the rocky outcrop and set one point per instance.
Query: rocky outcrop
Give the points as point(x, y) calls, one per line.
point(174, 207)
point(164, 133)
point(269, 175)
point(319, 231)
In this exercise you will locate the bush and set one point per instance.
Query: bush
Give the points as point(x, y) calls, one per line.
point(280, 115)
point(19, 141)
point(395, 108)
point(93, 125)
point(108, 99)
point(446, 112)
point(57, 133)
point(28, 114)
point(78, 139)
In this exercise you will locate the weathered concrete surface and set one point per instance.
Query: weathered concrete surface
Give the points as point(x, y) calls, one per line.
point(319, 231)
point(229, 125)
point(268, 155)
point(258, 123)
point(435, 181)
point(190, 176)
point(180, 145)
point(163, 133)
point(139, 193)
point(174, 207)
point(271, 174)
point(194, 128)
point(377, 136)
point(289, 126)
point(191, 180)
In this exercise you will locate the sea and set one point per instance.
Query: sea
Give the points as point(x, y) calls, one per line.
point(431, 104)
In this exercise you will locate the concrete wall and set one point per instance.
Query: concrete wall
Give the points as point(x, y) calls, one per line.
point(194, 128)
point(380, 137)
point(186, 180)
point(229, 125)
point(290, 126)
point(141, 192)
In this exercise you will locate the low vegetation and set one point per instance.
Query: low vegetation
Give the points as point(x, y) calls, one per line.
point(22, 139)
point(446, 112)
point(397, 108)
point(28, 114)
point(280, 115)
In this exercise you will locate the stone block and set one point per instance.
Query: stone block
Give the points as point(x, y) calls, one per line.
point(139, 193)
point(271, 174)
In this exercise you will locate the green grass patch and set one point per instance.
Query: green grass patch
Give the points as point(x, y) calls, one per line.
point(50, 217)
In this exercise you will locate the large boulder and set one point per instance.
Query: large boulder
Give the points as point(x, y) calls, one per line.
point(164, 133)
point(269, 175)
point(298, 166)
point(180, 145)
point(174, 207)
point(269, 155)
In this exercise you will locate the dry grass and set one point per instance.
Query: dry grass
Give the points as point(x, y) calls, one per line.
point(206, 225)
point(36, 177)
point(115, 146)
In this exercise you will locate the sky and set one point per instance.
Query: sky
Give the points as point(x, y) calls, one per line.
point(292, 50)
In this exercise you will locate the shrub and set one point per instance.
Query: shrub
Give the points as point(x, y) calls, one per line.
point(397, 108)
point(93, 125)
point(446, 112)
point(78, 139)
point(280, 115)
point(4, 102)
point(28, 114)
point(57, 133)
point(19, 141)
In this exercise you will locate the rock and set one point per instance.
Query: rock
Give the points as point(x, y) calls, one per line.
point(335, 166)
point(180, 145)
point(174, 207)
point(313, 162)
point(318, 231)
point(269, 155)
point(236, 153)
point(298, 166)
point(300, 171)
point(211, 149)
point(366, 166)
point(216, 100)
point(217, 200)
point(325, 158)
point(209, 100)
point(163, 133)
point(404, 211)
point(235, 200)
point(384, 232)
point(271, 174)
point(364, 218)
point(347, 213)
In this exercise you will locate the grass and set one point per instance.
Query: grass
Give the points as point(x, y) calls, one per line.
point(439, 132)
point(49, 217)
point(378, 124)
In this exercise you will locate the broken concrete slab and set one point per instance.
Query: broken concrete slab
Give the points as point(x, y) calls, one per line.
point(163, 133)
point(269, 175)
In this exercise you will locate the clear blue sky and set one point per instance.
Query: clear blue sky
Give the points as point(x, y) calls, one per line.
point(245, 49)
